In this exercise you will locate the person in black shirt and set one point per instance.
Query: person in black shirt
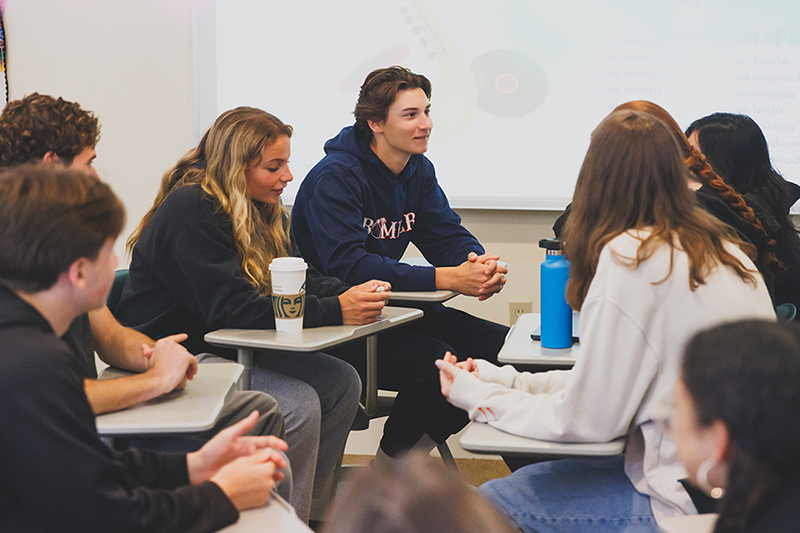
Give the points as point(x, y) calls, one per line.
point(57, 231)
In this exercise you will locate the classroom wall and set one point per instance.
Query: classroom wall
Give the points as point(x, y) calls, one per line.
point(131, 63)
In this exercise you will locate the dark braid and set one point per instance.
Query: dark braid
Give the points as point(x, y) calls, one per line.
point(697, 164)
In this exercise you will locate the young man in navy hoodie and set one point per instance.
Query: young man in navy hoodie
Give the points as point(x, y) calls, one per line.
point(57, 232)
point(374, 193)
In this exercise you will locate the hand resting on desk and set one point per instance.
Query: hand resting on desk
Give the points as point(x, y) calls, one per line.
point(363, 303)
point(161, 367)
point(170, 363)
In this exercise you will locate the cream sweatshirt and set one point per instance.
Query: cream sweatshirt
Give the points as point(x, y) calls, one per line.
point(634, 325)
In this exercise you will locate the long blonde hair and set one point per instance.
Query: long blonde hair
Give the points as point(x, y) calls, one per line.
point(218, 164)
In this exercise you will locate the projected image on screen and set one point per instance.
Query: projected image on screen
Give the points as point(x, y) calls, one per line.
point(518, 85)
point(510, 83)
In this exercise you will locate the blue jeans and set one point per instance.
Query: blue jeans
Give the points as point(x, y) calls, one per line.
point(572, 495)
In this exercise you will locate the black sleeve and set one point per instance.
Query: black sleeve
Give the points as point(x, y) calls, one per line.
point(323, 287)
point(561, 221)
point(157, 470)
point(200, 265)
point(58, 476)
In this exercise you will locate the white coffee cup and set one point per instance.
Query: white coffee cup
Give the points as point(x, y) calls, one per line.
point(288, 293)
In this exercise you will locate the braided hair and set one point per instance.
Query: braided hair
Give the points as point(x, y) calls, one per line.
point(696, 163)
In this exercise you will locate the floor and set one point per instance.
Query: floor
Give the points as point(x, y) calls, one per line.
point(474, 469)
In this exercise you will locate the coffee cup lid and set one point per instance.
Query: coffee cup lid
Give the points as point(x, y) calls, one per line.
point(288, 264)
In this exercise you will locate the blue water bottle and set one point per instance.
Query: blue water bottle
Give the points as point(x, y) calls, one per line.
point(556, 325)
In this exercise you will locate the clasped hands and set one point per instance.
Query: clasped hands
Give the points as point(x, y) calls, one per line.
point(491, 274)
point(449, 368)
point(169, 363)
point(479, 275)
point(245, 468)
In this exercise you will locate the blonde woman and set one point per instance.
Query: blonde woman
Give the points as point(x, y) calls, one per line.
point(200, 261)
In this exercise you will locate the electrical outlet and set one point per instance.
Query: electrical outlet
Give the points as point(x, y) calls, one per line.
point(516, 309)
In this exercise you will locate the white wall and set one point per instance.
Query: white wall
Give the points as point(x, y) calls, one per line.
point(131, 63)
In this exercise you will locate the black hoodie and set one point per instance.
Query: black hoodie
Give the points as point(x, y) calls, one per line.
point(55, 472)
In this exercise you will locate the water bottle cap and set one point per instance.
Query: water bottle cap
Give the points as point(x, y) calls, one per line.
point(551, 244)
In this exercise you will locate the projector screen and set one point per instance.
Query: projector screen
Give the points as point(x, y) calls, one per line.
point(518, 85)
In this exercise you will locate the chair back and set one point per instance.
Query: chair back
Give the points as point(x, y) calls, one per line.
point(116, 289)
point(786, 312)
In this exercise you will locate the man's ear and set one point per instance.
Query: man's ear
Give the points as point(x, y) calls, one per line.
point(51, 157)
point(376, 127)
point(76, 273)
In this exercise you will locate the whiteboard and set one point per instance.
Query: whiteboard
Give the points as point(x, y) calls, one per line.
point(518, 85)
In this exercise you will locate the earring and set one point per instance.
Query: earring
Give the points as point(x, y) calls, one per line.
point(702, 480)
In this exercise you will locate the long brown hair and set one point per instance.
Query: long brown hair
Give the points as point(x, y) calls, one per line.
point(218, 164)
point(633, 178)
point(696, 163)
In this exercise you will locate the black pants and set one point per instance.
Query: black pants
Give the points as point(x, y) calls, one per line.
point(406, 358)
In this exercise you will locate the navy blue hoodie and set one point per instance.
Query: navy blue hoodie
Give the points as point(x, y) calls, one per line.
point(353, 217)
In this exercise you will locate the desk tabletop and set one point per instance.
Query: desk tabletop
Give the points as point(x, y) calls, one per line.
point(423, 296)
point(310, 339)
point(520, 348)
point(700, 523)
point(190, 410)
point(275, 515)
point(483, 438)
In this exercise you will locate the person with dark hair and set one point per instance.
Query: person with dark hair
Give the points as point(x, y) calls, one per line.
point(43, 128)
point(57, 232)
point(649, 269)
point(413, 495)
point(736, 423)
point(356, 213)
point(200, 262)
point(737, 149)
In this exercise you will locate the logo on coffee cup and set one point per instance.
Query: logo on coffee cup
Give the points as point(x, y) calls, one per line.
point(289, 305)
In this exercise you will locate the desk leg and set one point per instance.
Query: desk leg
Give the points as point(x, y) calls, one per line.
point(245, 357)
point(370, 404)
